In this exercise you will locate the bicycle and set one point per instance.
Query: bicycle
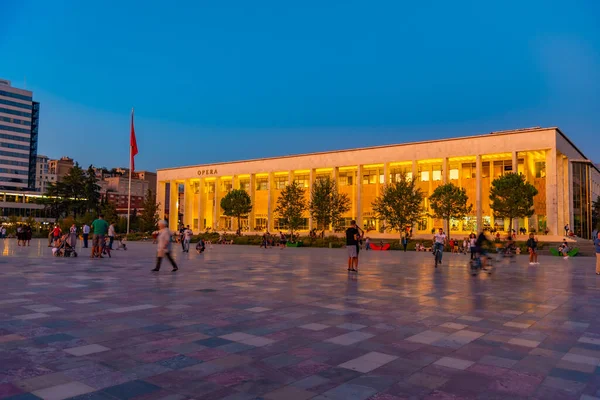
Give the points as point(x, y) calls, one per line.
point(437, 254)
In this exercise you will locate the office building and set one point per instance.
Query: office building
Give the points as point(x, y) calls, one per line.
point(19, 120)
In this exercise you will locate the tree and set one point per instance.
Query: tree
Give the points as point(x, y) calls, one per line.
point(512, 197)
point(291, 205)
point(149, 216)
point(236, 204)
point(400, 204)
point(91, 190)
point(449, 201)
point(327, 205)
point(110, 212)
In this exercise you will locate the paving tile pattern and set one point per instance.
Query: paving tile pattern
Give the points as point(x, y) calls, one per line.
point(246, 323)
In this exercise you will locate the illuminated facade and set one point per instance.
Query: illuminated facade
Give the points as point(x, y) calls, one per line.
point(567, 182)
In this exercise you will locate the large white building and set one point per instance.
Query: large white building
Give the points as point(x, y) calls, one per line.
point(19, 119)
point(566, 180)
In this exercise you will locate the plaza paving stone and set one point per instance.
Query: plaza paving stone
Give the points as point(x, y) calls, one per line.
point(246, 323)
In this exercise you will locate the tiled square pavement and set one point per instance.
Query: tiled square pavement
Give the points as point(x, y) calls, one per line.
point(246, 323)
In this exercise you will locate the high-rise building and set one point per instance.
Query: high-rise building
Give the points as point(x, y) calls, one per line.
point(60, 167)
point(19, 120)
point(42, 174)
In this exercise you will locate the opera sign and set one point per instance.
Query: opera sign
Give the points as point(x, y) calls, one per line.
point(207, 172)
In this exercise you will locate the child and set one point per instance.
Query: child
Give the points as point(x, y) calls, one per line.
point(106, 247)
point(201, 246)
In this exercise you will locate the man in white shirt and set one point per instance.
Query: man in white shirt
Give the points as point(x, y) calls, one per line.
point(439, 240)
point(86, 235)
point(111, 235)
point(187, 238)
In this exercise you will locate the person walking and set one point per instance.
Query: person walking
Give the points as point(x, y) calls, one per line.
point(111, 235)
point(3, 231)
point(404, 241)
point(597, 244)
point(99, 228)
point(50, 236)
point(73, 235)
point(56, 232)
point(282, 240)
point(567, 229)
point(86, 235)
point(473, 245)
point(439, 240)
point(187, 238)
point(352, 236)
point(164, 246)
point(532, 247)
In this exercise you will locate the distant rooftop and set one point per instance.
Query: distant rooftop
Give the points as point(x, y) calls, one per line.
point(4, 82)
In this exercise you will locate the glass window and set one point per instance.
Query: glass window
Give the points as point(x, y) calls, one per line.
point(540, 169)
point(369, 177)
point(302, 180)
point(346, 179)
point(469, 170)
point(262, 183)
point(437, 175)
point(260, 224)
point(245, 184)
point(454, 174)
point(424, 176)
point(280, 224)
point(209, 187)
point(485, 169)
point(226, 186)
point(281, 182)
point(396, 173)
point(422, 224)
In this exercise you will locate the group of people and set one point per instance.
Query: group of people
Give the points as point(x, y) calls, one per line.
point(103, 237)
point(24, 234)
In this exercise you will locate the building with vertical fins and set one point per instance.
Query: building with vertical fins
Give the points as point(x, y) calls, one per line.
point(566, 180)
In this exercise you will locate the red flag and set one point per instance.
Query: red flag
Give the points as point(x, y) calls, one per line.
point(133, 145)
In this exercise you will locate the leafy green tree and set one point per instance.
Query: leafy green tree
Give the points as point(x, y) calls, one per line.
point(149, 217)
point(236, 204)
point(291, 205)
point(512, 197)
point(110, 212)
point(399, 204)
point(449, 201)
point(91, 190)
point(327, 204)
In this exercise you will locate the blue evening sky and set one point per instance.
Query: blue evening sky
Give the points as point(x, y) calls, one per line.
point(226, 80)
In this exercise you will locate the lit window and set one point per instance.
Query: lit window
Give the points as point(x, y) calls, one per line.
point(424, 176)
point(437, 175)
point(453, 174)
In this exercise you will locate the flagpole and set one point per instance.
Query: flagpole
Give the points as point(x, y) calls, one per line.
point(130, 174)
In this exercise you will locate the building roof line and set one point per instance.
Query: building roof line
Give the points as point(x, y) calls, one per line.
point(504, 132)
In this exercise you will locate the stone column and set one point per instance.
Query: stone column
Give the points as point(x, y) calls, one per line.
point(216, 206)
point(551, 192)
point(445, 176)
point(515, 169)
point(311, 180)
point(251, 217)
point(173, 209)
point(415, 171)
point(201, 226)
point(234, 186)
point(160, 198)
point(270, 207)
point(359, 173)
point(188, 203)
point(478, 193)
point(335, 174)
point(570, 193)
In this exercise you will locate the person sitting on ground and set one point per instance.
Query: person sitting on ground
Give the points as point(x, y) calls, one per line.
point(564, 249)
point(200, 246)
